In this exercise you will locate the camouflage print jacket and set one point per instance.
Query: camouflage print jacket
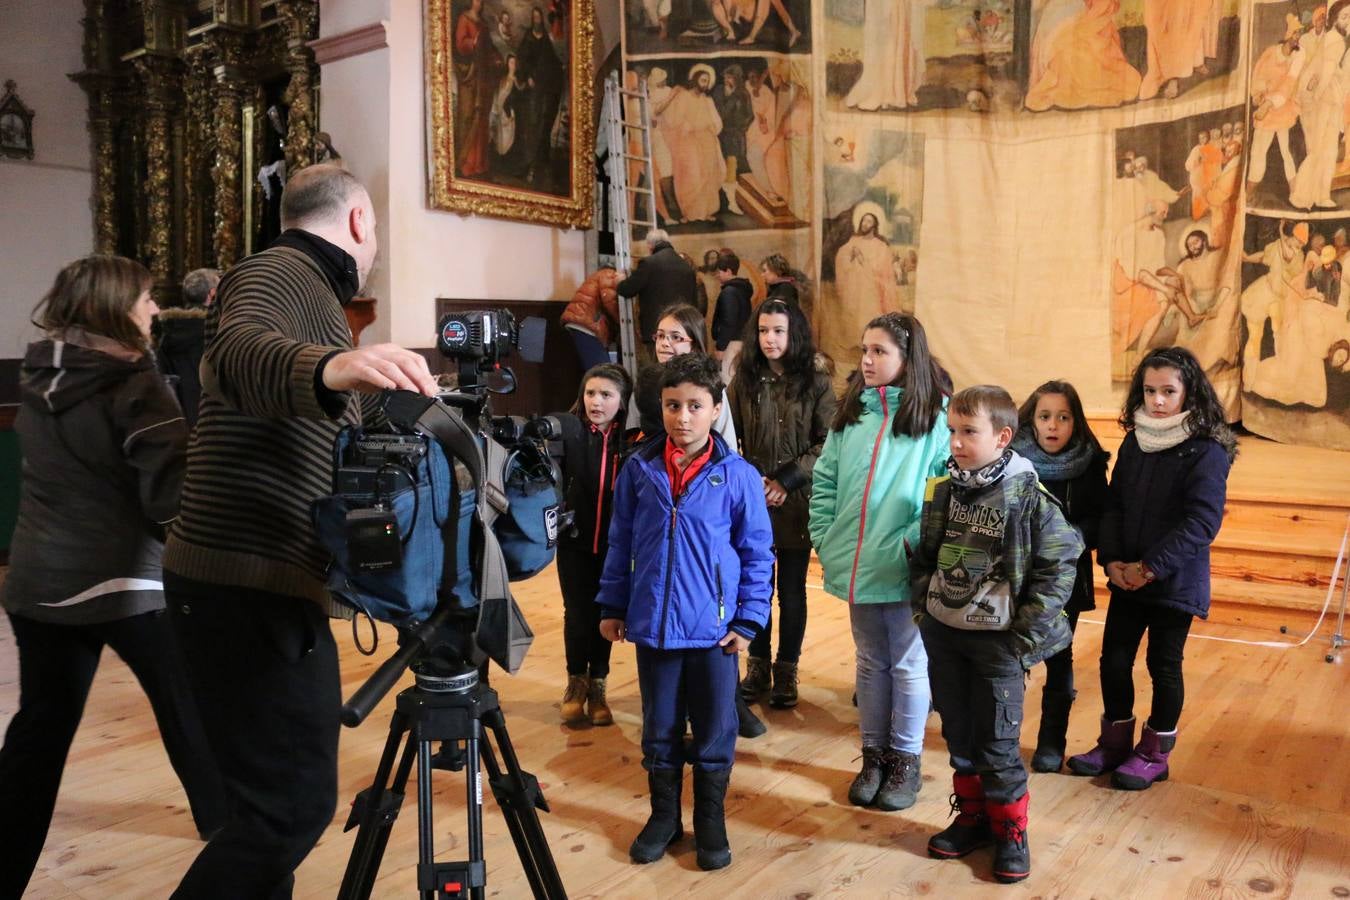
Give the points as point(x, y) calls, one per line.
point(1000, 557)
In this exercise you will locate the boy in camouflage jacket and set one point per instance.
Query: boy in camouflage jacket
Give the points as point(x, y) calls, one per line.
point(996, 563)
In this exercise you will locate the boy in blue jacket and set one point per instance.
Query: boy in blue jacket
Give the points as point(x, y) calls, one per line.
point(688, 580)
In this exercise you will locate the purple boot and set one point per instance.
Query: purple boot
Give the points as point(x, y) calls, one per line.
point(1148, 762)
point(1113, 748)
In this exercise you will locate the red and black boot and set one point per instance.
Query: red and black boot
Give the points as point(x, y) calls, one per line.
point(1012, 852)
point(971, 828)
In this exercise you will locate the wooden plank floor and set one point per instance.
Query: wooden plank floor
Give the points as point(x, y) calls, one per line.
point(1258, 804)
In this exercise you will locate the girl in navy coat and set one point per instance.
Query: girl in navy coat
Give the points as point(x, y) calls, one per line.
point(688, 579)
point(1164, 509)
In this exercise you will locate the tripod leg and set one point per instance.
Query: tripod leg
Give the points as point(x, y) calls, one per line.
point(518, 795)
point(374, 811)
point(451, 880)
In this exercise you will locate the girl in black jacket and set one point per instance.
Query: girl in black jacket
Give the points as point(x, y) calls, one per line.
point(782, 404)
point(593, 447)
point(1054, 436)
point(1163, 511)
point(104, 445)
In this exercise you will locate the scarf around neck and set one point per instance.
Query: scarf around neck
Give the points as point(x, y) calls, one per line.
point(337, 265)
point(981, 477)
point(1062, 466)
point(1160, 434)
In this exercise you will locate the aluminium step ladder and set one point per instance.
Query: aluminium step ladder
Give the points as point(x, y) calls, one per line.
point(628, 139)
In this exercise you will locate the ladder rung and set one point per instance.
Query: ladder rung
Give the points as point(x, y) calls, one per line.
point(632, 222)
point(627, 93)
point(637, 190)
point(638, 158)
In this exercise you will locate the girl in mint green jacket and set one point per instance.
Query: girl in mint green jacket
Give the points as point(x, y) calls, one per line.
point(888, 438)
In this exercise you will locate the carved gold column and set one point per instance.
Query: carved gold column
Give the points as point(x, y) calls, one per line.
point(198, 150)
point(98, 86)
point(301, 19)
point(160, 77)
point(228, 48)
point(104, 158)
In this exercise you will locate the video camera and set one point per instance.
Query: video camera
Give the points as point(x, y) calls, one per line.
point(434, 513)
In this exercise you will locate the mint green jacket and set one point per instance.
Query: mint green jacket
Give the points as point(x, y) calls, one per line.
point(866, 496)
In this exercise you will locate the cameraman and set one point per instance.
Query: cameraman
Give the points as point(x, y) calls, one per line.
point(243, 570)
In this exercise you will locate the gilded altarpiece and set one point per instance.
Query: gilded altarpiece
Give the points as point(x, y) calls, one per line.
point(196, 112)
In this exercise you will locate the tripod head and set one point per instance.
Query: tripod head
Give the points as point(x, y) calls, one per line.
point(441, 653)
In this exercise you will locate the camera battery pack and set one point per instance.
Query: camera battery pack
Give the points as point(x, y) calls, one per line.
point(373, 543)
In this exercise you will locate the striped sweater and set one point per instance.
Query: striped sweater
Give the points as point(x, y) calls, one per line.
point(262, 448)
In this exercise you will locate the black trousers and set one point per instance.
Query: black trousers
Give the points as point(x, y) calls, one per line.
point(791, 578)
point(978, 689)
point(1126, 622)
point(264, 668)
point(579, 577)
point(56, 668)
point(1059, 668)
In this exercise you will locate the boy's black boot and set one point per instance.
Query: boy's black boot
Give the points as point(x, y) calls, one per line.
point(710, 824)
point(748, 725)
point(1050, 740)
point(663, 828)
point(1012, 851)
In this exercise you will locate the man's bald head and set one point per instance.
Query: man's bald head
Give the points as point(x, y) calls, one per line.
point(319, 195)
point(326, 200)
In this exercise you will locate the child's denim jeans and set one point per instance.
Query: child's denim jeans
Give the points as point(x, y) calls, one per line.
point(892, 676)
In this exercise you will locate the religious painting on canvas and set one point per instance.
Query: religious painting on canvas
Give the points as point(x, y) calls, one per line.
point(1295, 309)
point(1299, 95)
point(869, 261)
point(1174, 202)
point(509, 108)
point(1106, 53)
point(664, 27)
point(752, 248)
point(992, 55)
point(921, 55)
point(731, 141)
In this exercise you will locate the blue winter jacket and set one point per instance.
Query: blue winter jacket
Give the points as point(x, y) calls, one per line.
point(681, 573)
point(1165, 509)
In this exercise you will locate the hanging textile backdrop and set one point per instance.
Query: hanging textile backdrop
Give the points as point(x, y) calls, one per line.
point(1053, 186)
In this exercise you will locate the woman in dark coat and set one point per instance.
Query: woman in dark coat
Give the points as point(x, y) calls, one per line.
point(104, 446)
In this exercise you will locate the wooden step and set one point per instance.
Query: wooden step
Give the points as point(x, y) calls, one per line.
point(1234, 591)
point(1270, 566)
point(1271, 594)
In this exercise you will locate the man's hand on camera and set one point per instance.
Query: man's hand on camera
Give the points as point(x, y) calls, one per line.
point(377, 368)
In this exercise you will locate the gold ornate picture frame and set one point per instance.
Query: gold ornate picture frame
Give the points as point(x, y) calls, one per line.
point(509, 101)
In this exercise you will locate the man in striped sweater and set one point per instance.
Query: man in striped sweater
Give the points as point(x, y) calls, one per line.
point(243, 570)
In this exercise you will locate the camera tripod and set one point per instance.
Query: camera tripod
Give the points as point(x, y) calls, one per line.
point(450, 709)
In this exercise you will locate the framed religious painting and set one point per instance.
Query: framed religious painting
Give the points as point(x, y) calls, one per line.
point(509, 95)
point(16, 125)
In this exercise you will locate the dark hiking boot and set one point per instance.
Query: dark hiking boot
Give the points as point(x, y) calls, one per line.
point(663, 827)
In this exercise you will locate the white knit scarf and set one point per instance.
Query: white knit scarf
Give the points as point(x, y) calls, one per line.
point(1156, 434)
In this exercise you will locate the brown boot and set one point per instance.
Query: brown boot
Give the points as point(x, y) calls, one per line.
point(574, 700)
point(597, 705)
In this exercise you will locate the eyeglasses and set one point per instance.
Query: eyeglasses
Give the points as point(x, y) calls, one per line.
point(672, 337)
